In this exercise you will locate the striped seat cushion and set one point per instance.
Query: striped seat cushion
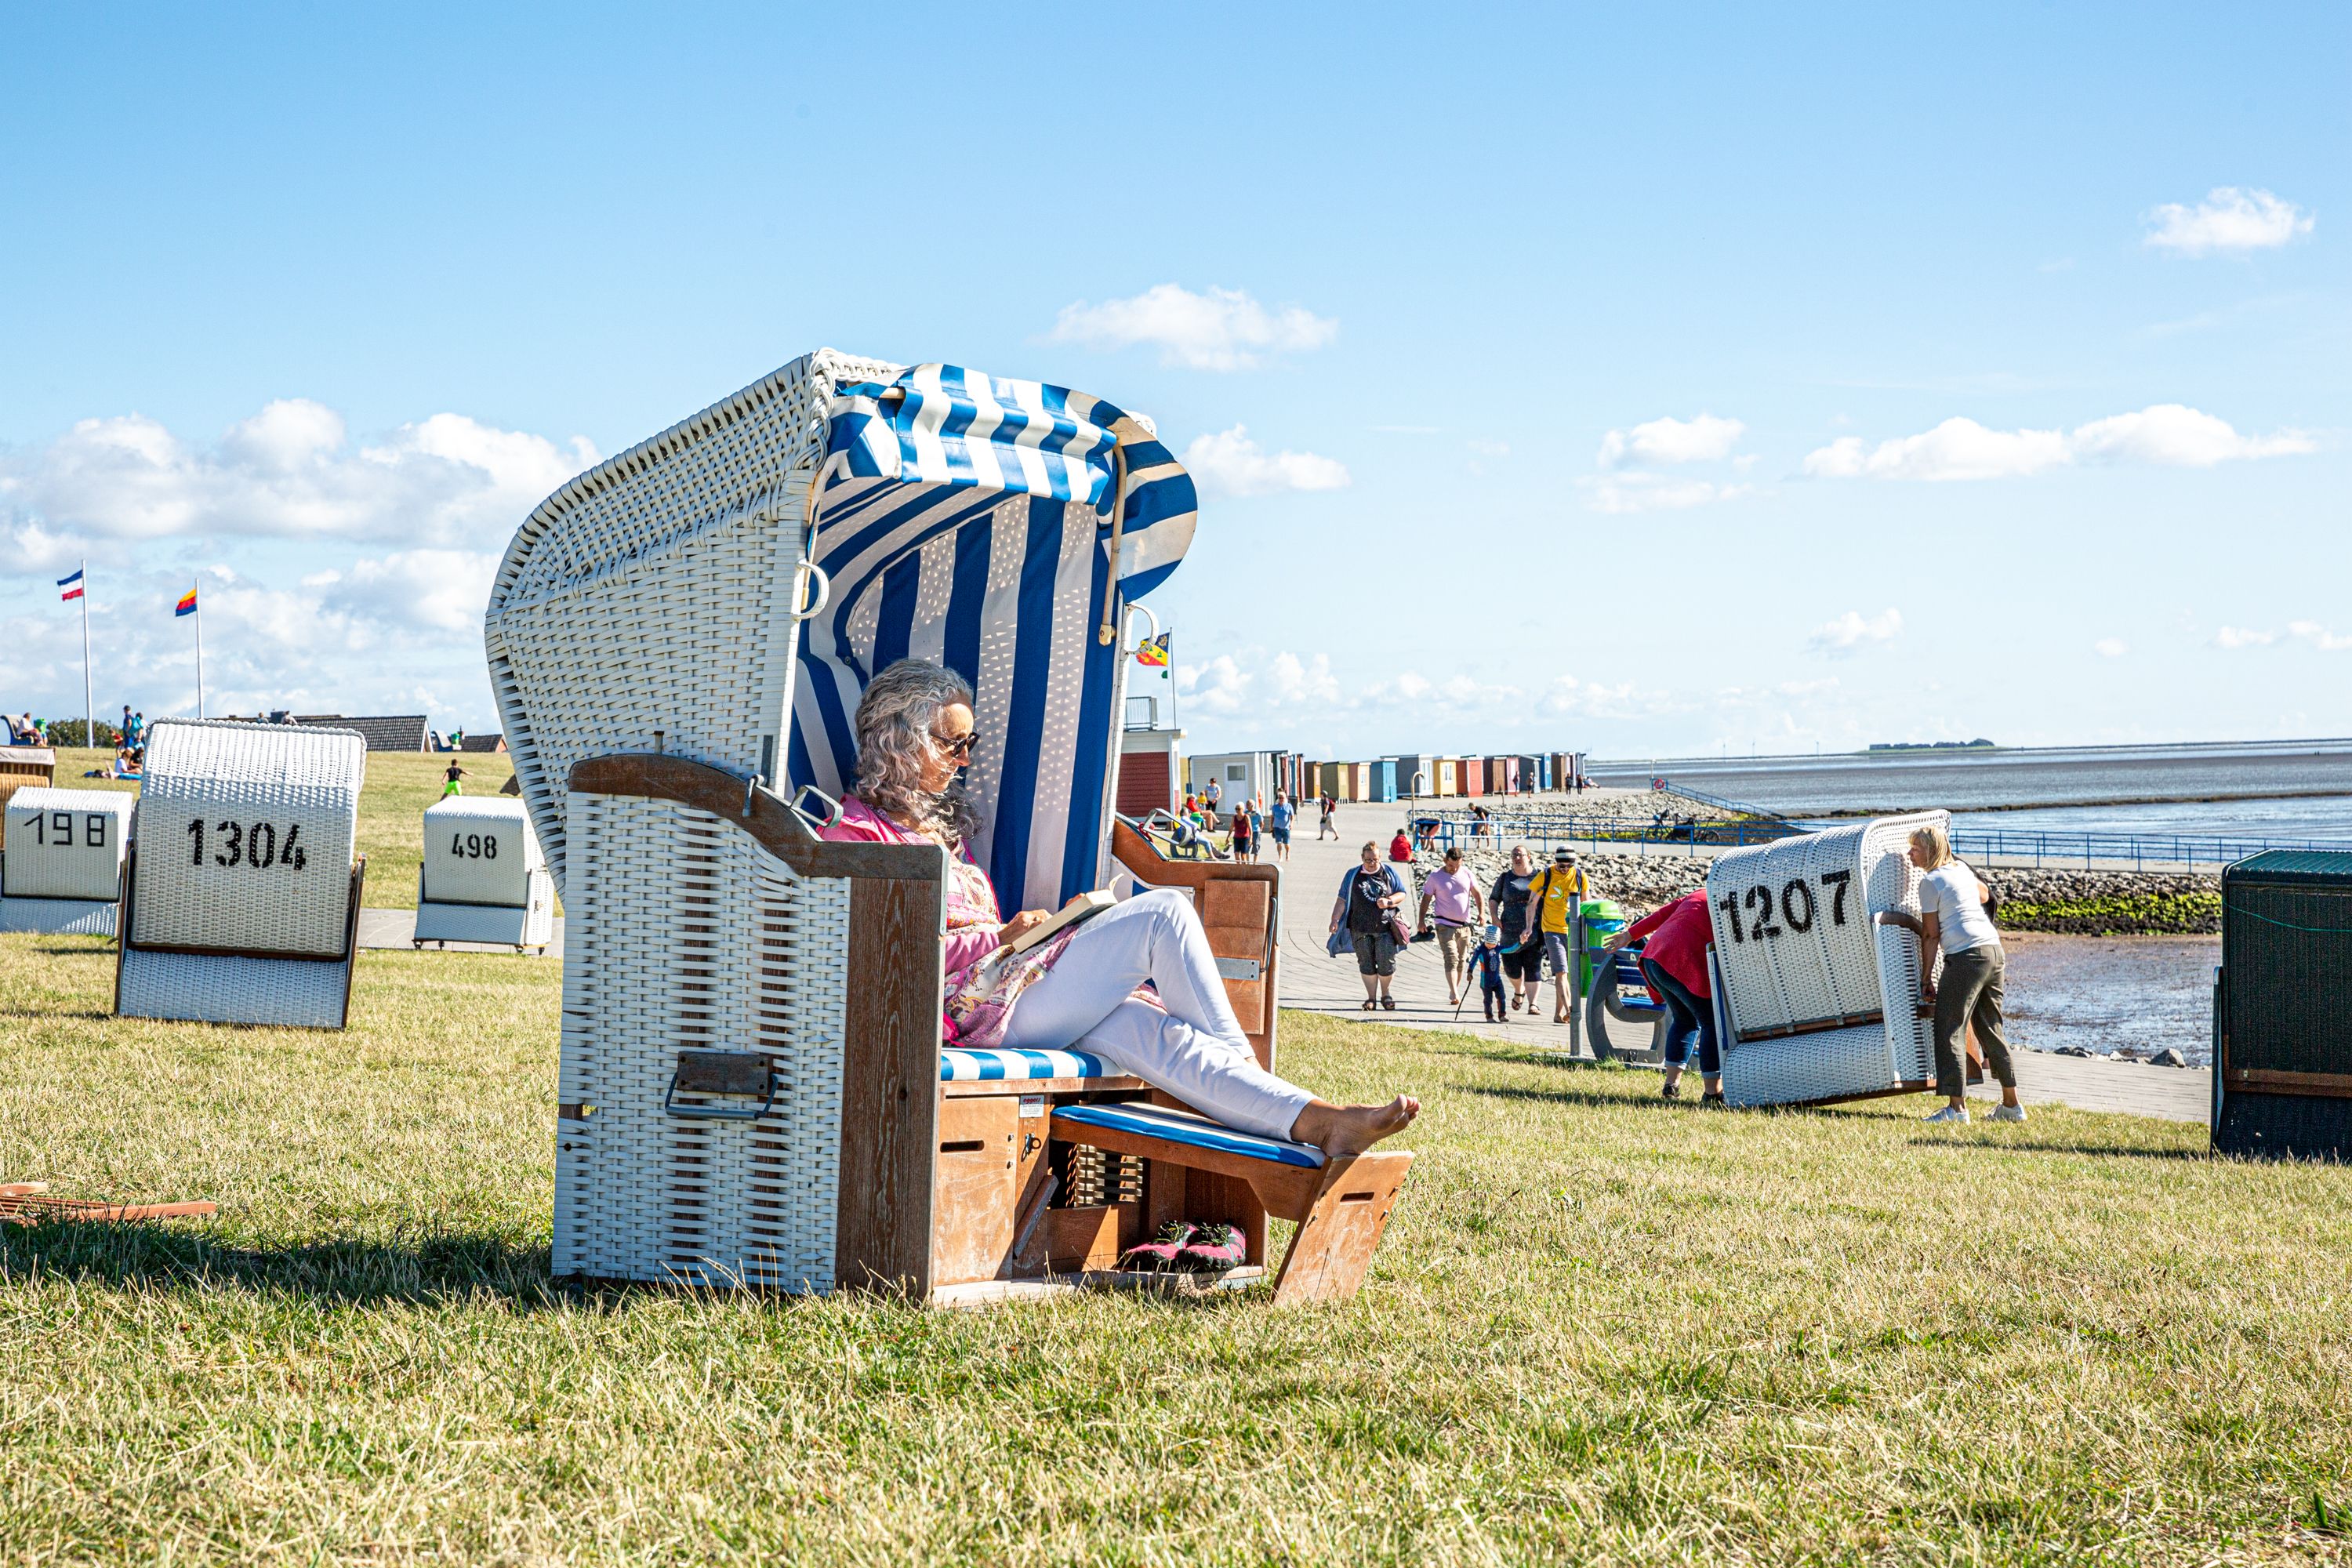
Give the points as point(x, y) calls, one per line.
point(957, 1066)
point(1183, 1127)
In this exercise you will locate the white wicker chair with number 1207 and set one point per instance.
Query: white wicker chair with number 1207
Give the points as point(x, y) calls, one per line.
point(1818, 999)
point(243, 896)
point(753, 1084)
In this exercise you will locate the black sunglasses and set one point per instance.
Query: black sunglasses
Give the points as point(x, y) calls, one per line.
point(960, 746)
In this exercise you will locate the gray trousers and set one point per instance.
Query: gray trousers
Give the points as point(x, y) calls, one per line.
point(1970, 993)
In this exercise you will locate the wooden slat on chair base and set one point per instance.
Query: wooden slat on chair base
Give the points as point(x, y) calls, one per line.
point(1341, 1208)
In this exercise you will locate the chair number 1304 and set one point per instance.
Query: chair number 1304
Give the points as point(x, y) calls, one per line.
point(258, 845)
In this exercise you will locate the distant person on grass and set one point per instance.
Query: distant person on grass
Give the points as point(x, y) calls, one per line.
point(1451, 899)
point(450, 786)
point(1522, 943)
point(1953, 917)
point(1371, 895)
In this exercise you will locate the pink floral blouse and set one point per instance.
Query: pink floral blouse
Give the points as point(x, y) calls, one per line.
point(981, 987)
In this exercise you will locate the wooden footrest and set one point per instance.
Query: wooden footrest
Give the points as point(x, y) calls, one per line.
point(1342, 1206)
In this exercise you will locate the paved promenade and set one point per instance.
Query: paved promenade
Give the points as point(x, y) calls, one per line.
point(1316, 983)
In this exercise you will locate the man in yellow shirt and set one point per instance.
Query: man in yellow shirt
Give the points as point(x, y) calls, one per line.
point(1554, 896)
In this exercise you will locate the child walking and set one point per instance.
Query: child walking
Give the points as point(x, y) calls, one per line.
point(1487, 963)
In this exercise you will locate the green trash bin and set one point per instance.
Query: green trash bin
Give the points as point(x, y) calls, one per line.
point(1604, 921)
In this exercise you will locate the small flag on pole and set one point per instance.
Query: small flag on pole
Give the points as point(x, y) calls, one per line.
point(187, 603)
point(73, 585)
point(1152, 652)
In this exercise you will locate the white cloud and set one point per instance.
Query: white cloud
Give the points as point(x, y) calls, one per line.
point(2240, 636)
point(2167, 434)
point(1705, 440)
point(2319, 637)
point(2111, 647)
point(1229, 465)
point(1489, 448)
point(1630, 490)
point(1841, 637)
point(2229, 219)
point(444, 589)
point(1221, 329)
point(1229, 685)
point(2170, 435)
point(289, 472)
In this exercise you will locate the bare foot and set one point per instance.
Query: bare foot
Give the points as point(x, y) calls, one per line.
point(1341, 1131)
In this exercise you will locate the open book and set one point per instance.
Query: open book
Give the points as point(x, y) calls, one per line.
point(1085, 906)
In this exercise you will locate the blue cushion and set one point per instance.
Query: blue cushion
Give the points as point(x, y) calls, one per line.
point(960, 1066)
point(1183, 1127)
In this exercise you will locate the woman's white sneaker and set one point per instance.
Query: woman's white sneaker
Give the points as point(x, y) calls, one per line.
point(2010, 1113)
point(1951, 1113)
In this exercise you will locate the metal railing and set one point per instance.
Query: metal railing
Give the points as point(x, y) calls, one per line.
point(2015, 846)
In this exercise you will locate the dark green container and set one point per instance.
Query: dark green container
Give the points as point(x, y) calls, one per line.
point(2282, 1007)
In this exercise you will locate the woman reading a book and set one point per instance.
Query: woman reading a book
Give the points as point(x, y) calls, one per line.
point(1076, 990)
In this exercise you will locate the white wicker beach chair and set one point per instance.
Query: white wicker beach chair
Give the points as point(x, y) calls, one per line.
point(243, 892)
point(1821, 1002)
point(484, 877)
point(62, 859)
point(752, 1088)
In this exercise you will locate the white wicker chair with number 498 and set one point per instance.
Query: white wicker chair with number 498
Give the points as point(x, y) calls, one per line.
point(484, 877)
point(243, 892)
point(61, 872)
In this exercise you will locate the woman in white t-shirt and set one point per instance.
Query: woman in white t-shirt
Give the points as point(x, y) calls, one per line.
point(1952, 917)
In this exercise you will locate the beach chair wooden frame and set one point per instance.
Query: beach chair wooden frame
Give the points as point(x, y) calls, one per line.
point(752, 1087)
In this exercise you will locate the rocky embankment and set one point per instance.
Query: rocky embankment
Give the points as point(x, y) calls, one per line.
point(2075, 903)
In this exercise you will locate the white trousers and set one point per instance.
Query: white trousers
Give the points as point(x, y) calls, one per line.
point(1196, 1050)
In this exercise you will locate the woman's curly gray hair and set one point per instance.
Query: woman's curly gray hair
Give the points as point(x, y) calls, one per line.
point(896, 720)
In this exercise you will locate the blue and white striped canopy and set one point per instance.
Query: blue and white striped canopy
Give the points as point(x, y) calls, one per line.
point(968, 519)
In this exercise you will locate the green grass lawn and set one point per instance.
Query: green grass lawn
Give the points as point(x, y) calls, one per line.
point(399, 786)
point(1602, 1329)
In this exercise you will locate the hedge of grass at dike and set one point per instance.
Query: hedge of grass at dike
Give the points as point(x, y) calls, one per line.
point(399, 786)
point(1603, 1328)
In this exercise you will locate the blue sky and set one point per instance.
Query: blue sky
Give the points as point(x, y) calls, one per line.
point(1560, 377)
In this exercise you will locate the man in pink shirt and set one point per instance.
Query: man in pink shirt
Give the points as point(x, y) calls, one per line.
point(1674, 961)
point(1454, 898)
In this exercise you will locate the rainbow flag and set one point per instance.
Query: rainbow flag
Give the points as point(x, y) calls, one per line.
point(187, 603)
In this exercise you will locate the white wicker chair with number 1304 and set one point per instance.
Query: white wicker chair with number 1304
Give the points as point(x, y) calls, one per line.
point(753, 1086)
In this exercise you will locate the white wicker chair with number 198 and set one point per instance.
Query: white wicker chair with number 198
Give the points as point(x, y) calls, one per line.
point(61, 860)
point(753, 1088)
point(1822, 1000)
point(243, 893)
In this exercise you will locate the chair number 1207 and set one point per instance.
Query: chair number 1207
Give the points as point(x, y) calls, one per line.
point(1798, 905)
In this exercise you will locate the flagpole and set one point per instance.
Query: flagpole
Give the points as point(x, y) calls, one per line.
point(88, 710)
point(1172, 678)
point(200, 652)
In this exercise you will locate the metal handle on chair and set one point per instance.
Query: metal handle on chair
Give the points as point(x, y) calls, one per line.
point(716, 1112)
point(832, 809)
point(810, 569)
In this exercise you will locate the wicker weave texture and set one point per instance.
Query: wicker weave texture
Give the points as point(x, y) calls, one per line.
point(683, 934)
point(532, 925)
point(65, 844)
point(59, 917)
point(654, 593)
point(1789, 961)
point(302, 784)
point(480, 852)
point(215, 988)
